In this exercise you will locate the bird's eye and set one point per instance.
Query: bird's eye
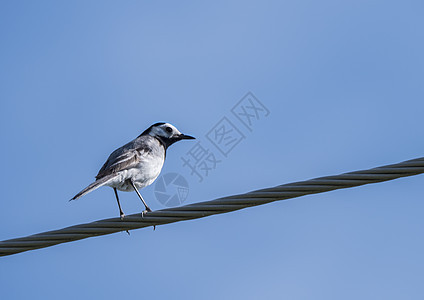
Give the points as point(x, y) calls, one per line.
point(168, 129)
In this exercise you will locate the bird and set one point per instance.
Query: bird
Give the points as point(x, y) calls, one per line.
point(137, 164)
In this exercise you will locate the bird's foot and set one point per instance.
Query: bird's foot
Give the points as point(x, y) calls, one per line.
point(122, 215)
point(145, 211)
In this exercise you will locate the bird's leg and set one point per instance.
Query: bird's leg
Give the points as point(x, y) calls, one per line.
point(141, 198)
point(121, 213)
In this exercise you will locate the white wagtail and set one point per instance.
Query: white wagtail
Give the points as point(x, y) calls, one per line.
point(138, 163)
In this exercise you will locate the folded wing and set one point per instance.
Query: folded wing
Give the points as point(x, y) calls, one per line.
point(115, 163)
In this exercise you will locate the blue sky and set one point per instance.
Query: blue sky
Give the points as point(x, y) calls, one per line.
point(343, 84)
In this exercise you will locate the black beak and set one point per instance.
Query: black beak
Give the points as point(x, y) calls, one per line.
point(185, 137)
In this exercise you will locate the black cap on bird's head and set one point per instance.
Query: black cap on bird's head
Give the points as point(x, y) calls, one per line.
point(166, 133)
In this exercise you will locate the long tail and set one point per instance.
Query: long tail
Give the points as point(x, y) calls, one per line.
point(95, 185)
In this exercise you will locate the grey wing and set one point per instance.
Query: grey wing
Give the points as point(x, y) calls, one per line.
point(120, 159)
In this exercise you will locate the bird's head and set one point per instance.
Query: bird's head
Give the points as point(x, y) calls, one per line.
point(166, 133)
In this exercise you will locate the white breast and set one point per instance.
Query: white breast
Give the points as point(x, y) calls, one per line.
point(147, 172)
point(144, 174)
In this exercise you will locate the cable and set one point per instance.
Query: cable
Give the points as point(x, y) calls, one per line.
point(207, 208)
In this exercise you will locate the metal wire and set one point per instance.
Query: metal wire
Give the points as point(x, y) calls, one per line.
point(207, 208)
